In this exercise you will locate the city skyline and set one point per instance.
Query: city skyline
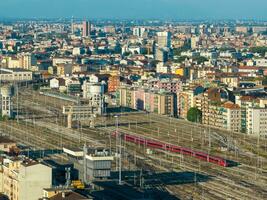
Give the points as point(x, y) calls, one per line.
point(138, 9)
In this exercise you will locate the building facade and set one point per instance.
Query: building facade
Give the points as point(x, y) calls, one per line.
point(25, 180)
point(257, 121)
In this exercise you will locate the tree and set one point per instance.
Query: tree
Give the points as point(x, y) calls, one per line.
point(185, 47)
point(264, 81)
point(181, 59)
point(194, 115)
point(260, 50)
point(200, 59)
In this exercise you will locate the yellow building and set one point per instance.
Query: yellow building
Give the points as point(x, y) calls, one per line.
point(179, 71)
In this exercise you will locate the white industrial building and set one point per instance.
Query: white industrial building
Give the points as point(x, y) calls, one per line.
point(92, 163)
point(6, 103)
point(95, 93)
point(15, 74)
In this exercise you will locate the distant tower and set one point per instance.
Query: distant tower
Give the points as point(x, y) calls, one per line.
point(162, 52)
point(86, 28)
point(72, 25)
point(164, 39)
point(6, 103)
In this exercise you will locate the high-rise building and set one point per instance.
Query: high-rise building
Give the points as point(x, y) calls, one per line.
point(27, 60)
point(163, 48)
point(164, 39)
point(194, 42)
point(139, 31)
point(86, 28)
point(72, 25)
point(162, 54)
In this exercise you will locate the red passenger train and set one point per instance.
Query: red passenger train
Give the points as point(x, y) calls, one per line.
point(173, 148)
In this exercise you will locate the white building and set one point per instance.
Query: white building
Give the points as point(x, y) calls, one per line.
point(139, 31)
point(164, 39)
point(194, 42)
point(6, 103)
point(190, 54)
point(57, 61)
point(25, 179)
point(257, 121)
point(209, 54)
point(164, 69)
point(95, 93)
point(261, 62)
point(56, 83)
point(77, 51)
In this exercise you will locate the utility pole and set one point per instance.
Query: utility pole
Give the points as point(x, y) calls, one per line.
point(17, 103)
point(118, 137)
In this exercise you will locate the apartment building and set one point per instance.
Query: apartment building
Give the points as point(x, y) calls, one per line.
point(189, 98)
point(257, 121)
point(113, 83)
point(166, 84)
point(226, 115)
point(246, 102)
point(150, 100)
point(185, 102)
point(24, 179)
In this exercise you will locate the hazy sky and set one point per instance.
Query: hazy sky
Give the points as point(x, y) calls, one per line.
point(125, 9)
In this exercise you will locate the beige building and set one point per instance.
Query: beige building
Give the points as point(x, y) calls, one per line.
point(257, 121)
point(27, 61)
point(226, 115)
point(6, 145)
point(230, 81)
point(24, 179)
point(15, 75)
point(186, 101)
point(64, 69)
point(24, 61)
point(144, 99)
point(13, 62)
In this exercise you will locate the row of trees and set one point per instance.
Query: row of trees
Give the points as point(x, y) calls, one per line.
point(198, 59)
point(261, 50)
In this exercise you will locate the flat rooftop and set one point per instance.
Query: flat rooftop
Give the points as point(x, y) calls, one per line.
point(11, 70)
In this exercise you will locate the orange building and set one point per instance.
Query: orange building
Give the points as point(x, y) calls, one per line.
point(113, 83)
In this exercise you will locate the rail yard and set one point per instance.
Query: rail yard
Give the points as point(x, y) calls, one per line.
point(41, 124)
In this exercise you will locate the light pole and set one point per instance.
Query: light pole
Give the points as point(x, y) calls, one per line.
point(118, 136)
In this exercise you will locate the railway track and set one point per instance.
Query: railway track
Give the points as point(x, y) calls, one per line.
point(243, 182)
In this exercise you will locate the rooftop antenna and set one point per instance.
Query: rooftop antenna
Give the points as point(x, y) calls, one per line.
point(67, 169)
